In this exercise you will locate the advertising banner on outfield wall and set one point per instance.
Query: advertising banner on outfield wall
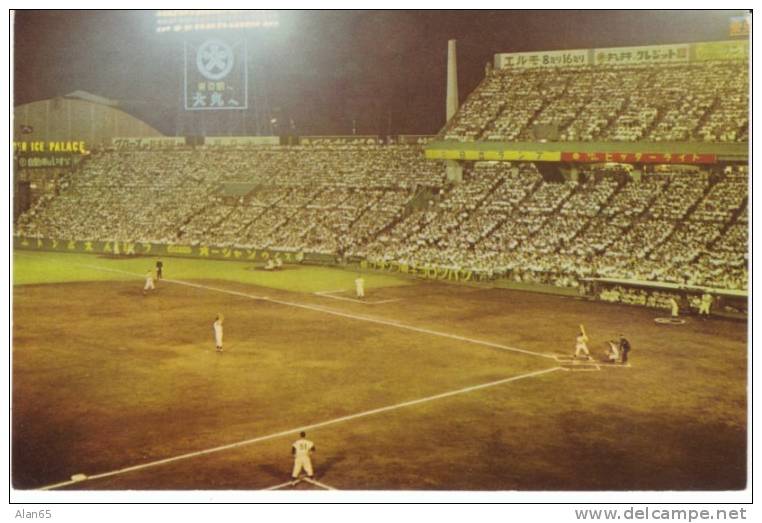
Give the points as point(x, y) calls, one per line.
point(649, 54)
point(728, 50)
point(118, 248)
point(531, 60)
point(678, 158)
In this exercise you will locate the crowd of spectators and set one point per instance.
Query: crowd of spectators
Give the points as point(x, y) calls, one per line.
point(388, 203)
point(704, 101)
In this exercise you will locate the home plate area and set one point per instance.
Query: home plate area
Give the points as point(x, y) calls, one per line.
point(302, 483)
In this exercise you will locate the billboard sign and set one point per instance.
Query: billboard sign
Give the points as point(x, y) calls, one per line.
point(569, 58)
point(643, 55)
point(638, 157)
point(216, 75)
point(727, 50)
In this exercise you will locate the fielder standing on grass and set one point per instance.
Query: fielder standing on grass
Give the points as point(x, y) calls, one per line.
point(159, 267)
point(360, 286)
point(218, 332)
point(301, 449)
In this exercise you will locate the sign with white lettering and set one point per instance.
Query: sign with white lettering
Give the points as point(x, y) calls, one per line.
point(569, 58)
point(649, 54)
point(216, 75)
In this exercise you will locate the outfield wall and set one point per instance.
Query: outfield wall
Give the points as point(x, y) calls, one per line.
point(120, 248)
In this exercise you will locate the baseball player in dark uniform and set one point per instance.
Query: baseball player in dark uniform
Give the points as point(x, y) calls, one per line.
point(159, 267)
point(624, 347)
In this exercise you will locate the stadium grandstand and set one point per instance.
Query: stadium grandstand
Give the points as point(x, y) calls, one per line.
point(676, 217)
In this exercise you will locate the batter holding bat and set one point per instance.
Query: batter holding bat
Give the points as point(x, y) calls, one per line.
point(581, 346)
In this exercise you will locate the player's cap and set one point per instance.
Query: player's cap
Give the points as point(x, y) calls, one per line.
point(302, 434)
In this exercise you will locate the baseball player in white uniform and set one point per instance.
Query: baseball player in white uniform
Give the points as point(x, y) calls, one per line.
point(675, 307)
point(581, 346)
point(301, 449)
point(706, 304)
point(218, 332)
point(360, 286)
point(149, 286)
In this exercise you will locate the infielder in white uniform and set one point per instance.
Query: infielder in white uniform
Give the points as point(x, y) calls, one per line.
point(581, 346)
point(149, 282)
point(706, 304)
point(218, 332)
point(301, 449)
point(675, 307)
point(360, 287)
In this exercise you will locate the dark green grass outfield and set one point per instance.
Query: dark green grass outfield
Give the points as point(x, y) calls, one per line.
point(106, 378)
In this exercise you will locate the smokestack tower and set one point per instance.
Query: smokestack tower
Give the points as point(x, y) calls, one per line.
point(452, 79)
point(454, 169)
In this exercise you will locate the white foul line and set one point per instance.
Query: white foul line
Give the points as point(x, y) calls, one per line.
point(319, 484)
point(296, 430)
point(330, 294)
point(281, 485)
point(334, 312)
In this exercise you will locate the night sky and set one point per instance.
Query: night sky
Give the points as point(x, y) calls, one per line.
point(385, 69)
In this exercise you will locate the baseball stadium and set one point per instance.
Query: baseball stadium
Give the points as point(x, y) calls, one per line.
point(547, 290)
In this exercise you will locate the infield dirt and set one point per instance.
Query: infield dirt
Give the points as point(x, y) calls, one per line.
point(105, 378)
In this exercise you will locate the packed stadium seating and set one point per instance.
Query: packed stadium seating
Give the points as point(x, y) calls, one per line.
point(706, 101)
point(388, 203)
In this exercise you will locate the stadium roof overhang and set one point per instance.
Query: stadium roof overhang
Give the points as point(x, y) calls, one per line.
point(590, 152)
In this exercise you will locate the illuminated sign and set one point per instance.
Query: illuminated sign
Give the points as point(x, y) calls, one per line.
point(69, 147)
point(216, 75)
